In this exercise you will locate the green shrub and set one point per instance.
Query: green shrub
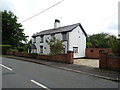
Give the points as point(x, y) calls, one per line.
point(56, 46)
point(115, 45)
point(33, 55)
point(20, 49)
point(5, 48)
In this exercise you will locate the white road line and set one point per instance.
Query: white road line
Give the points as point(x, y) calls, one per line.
point(6, 67)
point(40, 85)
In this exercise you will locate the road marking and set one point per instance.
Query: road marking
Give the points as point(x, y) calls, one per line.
point(6, 67)
point(40, 85)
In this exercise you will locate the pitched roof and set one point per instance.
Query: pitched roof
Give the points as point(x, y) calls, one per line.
point(60, 30)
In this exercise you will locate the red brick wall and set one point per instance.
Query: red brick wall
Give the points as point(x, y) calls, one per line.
point(109, 62)
point(103, 60)
point(113, 63)
point(94, 52)
point(67, 58)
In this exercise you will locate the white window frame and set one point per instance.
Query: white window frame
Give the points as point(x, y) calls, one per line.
point(42, 39)
point(34, 39)
point(64, 36)
point(75, 49)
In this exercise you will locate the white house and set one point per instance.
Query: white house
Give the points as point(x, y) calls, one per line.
point(74, 38)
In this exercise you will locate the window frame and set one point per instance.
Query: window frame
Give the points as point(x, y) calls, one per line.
point(75, 49)
point(34, 39)
point(64, 36)
point(41, 49)
point(42, 39)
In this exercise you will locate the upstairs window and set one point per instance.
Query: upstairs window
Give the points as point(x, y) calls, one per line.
point(42, 39)
point(52, 35)
point(75, 49)
point(64, 36)
point(34, 39)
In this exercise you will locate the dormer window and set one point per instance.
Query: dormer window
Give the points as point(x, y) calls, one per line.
point(52, 35)
point(64, 36)
point(34, 39)
point(42, 39)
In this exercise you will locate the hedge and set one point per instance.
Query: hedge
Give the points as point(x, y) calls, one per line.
point(5, 48)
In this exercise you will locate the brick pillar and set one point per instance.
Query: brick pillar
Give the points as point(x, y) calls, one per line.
point(70, 57)
point(103, 60)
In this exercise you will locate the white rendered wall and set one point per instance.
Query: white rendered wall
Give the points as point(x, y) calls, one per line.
point(59, 36)
point(77, 39)
point(46, 47)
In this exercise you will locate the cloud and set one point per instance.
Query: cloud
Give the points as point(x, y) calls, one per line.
point(88, 12)
point(8, 5)
point(113, 23)
point(113, 26)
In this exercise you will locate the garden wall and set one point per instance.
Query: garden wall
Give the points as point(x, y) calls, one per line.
point(66, 58)
point(109, 62)
point(94, 52)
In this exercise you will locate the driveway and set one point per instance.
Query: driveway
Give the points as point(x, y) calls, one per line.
point(87, 62)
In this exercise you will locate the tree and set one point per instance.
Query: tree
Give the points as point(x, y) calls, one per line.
point(114, 45)
point(56, 46)
point(98, 40)
point(104, 40)
point(12, 32)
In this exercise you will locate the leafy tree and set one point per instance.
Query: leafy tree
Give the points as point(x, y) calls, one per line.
point(12, 32)
point(104, 40)
point(98, 40)
point(56, 46)
point(114, 45)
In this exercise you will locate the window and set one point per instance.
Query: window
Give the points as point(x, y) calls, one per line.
point(52, 35)
point(75, 49)
point(41, 39)
point(34, 39)
point(41, 49)
point(64, 36)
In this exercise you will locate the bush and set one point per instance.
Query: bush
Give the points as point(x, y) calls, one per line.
point(33, 55)
point(5, 48)
point(116, 48)
point(20, 49)
point(56, 46)
point(115, 45)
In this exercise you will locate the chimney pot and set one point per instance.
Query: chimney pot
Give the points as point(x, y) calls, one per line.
point(57, 23)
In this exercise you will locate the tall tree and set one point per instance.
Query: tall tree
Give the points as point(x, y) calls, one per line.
point(12, 32)
point(98, 40)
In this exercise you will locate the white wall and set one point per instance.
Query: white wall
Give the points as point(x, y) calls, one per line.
point(59, 36)
point(46, 47)
point(77, 39)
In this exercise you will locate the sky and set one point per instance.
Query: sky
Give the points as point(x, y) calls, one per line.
point(95, 16)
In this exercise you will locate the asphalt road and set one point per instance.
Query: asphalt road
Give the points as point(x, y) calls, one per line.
point(22, 74)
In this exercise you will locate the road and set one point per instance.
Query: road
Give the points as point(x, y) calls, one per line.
point(22, 74)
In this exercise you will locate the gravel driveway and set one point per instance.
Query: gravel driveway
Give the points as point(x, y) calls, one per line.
point(87, 62)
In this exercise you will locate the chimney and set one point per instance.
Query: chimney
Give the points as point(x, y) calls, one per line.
point(57, 23)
